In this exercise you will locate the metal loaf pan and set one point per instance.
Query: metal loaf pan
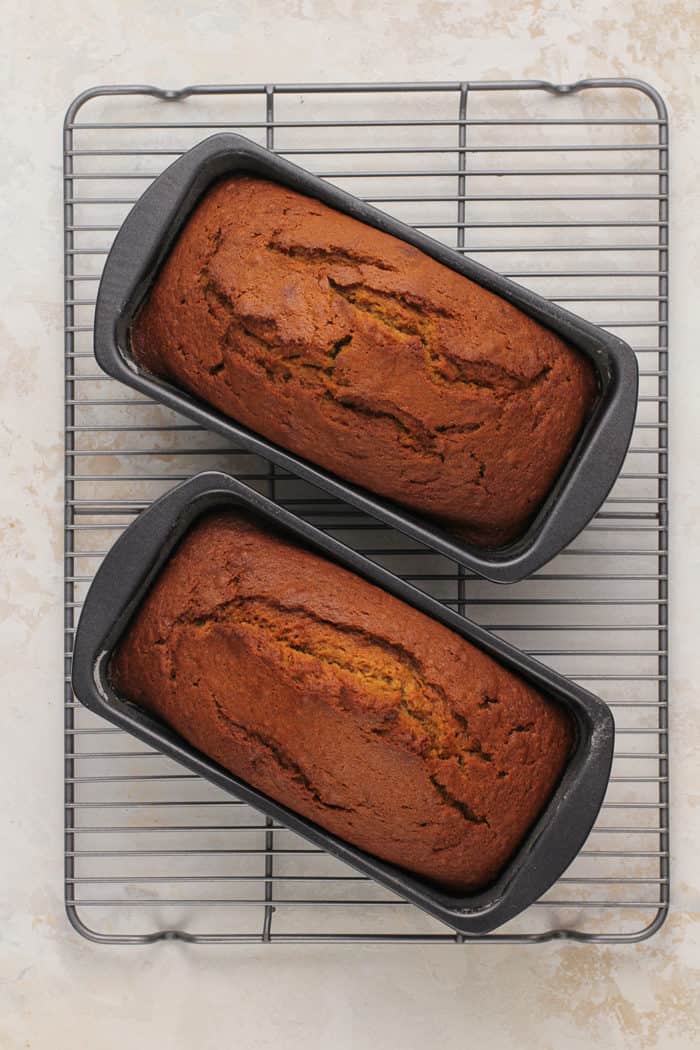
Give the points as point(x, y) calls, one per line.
point(130, 568)
point(148, 234)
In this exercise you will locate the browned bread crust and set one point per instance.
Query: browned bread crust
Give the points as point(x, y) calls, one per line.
point(359, 352)
point(342, 702)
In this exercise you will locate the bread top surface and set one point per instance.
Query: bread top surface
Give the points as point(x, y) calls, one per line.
point(343, 702)
point(358, 351)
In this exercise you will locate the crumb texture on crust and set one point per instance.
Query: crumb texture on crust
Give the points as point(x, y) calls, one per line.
point(343, 703)
point(359, 352)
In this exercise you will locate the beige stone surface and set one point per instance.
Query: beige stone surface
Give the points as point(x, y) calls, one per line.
point(59, 992)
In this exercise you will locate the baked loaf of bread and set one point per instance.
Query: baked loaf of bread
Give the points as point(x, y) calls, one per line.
point(343, 703)
point(359, 352)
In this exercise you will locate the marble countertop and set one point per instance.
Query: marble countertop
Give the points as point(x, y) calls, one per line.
point(58, 991)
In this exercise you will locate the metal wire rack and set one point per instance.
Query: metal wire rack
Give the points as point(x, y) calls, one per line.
point(563, 187)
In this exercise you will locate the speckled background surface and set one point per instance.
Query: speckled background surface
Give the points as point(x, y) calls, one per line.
point(57, 991)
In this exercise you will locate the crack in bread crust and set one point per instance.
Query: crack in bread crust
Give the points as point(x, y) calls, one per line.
point(328, 256)
point(281, 362)
point(375, 667)
point(407, 316)
point(451, 800)
point(378, 665)
point(279, 755)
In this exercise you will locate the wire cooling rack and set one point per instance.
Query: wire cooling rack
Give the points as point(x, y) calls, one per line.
point(564, 188)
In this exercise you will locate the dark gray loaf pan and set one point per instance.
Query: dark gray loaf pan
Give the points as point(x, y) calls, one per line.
point(130, 568)
point(145, 240)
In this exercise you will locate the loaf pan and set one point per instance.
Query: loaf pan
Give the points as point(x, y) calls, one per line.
point(130, 568)
point(148, 234)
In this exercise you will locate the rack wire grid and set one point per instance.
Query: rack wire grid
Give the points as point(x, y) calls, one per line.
point(565, 189)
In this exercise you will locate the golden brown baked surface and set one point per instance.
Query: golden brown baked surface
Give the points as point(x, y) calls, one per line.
point(340, 701)
point(360, 353)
